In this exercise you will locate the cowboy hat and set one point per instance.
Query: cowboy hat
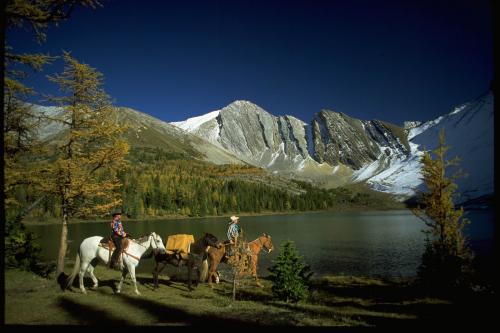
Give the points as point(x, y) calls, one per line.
point(234, 218)
point(116, 212)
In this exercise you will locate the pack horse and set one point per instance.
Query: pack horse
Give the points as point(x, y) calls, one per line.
point(182, 250)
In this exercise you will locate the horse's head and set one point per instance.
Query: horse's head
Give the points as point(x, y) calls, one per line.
point(211, 240)
point(157, 243)
point(267, 242)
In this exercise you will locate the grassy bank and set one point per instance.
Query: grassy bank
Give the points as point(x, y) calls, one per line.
point(333, 301)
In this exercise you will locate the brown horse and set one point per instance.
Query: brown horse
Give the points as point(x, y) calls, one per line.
point(195, 259)
point(218, 255)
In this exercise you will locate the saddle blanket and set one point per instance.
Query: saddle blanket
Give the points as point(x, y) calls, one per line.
point(108, 244)
point(179, 243)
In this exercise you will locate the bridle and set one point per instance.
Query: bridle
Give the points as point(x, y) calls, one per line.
point(262, 245)
point(153, 235)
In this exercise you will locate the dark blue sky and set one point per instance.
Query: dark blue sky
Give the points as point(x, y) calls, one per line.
point(390, 60)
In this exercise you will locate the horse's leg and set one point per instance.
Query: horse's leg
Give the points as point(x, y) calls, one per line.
point(124, 274)
point(157, 271)
point(83, 268)
point(90, 270)
point(213, 274)
point(255, 258)
point(190, 270)
point(131, 268)
point(197, 265)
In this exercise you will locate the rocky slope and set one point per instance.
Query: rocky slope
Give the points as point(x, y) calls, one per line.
point(144, 131)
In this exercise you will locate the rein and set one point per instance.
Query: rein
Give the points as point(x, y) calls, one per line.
point(136, 258)
point(262, 245)
point(146, 247)
point(260, 241)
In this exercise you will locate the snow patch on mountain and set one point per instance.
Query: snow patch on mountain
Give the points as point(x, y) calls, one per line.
point(469, 133)
point(192, 124)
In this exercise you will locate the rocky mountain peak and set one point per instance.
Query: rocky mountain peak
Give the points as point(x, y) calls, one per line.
point(340, 139)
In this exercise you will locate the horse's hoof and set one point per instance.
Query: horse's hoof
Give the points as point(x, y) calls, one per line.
point(84, 292)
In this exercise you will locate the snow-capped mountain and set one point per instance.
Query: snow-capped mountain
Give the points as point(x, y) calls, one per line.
point(469, 132)
point(326, 151)
point(336, 148)
point(255, 136)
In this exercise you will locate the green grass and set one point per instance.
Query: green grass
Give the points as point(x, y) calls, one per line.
point(333, 301)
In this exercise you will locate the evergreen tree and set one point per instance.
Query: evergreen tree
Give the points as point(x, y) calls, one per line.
point(89, 153)
point(447, 259)
point(289, 274)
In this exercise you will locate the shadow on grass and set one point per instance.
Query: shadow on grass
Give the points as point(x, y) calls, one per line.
point(252, 293)
point(170, 283)
point(166, 314)
point(389, 292)
point(87, 315)
point(403, 299)
point(87, 282)
point(373, 319)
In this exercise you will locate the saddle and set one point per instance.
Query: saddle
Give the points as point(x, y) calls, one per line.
point(179, 246)
point(108, 243)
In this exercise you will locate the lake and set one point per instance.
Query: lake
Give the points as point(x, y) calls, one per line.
point(370, 243)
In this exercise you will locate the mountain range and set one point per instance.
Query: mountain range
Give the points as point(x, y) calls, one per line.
point(332, 149)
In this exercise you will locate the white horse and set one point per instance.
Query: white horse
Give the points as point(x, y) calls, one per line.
point(90, 254)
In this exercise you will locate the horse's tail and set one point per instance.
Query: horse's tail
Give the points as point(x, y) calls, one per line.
point(204, 270)
point(76, 268)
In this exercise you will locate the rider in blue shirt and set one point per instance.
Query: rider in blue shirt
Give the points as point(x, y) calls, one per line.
point(233, 231)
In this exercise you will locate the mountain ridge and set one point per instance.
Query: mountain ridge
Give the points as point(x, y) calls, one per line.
point(384, 155)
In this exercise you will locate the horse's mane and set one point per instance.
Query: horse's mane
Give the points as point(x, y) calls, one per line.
point(141, 239)
point(197, 246)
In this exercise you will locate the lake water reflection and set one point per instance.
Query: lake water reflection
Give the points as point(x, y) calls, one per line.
point(375, 243)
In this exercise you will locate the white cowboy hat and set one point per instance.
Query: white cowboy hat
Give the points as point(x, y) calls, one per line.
point(234, 218)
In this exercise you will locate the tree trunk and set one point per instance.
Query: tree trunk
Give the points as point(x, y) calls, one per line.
point(63, 243)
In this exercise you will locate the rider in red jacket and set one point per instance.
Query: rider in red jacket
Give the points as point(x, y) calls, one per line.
point(118, 235)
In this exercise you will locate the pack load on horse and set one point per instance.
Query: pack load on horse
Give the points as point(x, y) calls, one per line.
point(183, 250)
point(92, 251)
point(179, 246)
point(252, 249)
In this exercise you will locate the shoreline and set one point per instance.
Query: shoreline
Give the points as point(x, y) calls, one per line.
point(52, 221)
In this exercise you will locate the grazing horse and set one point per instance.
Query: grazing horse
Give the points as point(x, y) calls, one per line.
point(254, 247)
point(196, 258)
point(90, 254)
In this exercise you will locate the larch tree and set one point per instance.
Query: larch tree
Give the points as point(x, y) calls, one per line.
point(447, 259)
point(89, 153)
point(20, 121)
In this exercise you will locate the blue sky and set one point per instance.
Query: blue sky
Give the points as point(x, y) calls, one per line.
point(388, 60)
